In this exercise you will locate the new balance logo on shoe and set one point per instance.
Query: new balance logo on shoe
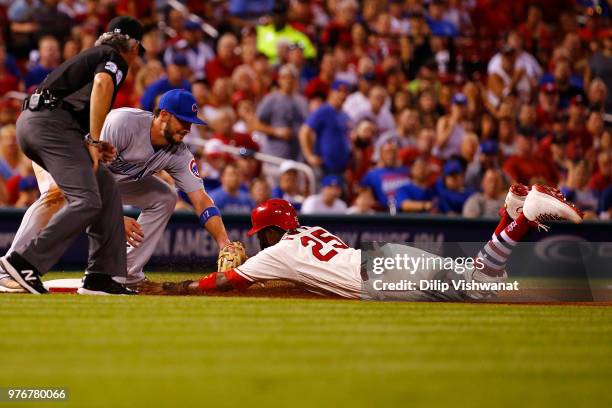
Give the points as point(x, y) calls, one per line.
point(29, 275)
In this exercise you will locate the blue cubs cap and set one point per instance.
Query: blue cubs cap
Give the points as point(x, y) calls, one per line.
point(460, 99)
point(181, 104)
point(332, 180)
point(340, 85)
point(452, 167)
point(180, 60)
point(191, 25)
point(489, 147)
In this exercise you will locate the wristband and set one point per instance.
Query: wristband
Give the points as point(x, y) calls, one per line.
point(208, 213)
point(91, 141)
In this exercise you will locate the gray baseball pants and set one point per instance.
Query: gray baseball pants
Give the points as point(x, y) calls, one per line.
point(153, 196)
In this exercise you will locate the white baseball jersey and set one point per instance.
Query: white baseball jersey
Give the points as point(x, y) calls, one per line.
point(129, 130)
point(311, 257)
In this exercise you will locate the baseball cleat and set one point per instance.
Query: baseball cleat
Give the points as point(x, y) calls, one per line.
point(9, 285)
point(101, 284)
point(515, 200)
point(28, 279)
point(549, 204)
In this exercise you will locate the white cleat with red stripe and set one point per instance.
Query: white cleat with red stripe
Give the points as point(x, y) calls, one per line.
point(549, 204)
point(515, 200)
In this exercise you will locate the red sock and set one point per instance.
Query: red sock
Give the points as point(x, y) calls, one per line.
point(517, 229)
point(504, 222)
point(496, 252)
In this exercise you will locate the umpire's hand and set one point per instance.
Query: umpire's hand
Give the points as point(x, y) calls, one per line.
point(94, 153)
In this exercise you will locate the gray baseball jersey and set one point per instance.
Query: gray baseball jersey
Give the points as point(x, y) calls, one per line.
point(129, 130)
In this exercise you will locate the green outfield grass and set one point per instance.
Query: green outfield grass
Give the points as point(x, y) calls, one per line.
point(211, 352)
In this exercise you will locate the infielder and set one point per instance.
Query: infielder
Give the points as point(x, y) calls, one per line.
point(316, 260)
point(146, 143)
point(59, 129)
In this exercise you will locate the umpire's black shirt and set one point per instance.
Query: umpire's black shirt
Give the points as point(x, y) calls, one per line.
point(72, 81)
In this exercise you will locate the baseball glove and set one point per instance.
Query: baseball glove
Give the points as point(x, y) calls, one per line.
point(231, 256)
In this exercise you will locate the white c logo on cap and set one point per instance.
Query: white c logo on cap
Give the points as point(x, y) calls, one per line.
point(194, 108)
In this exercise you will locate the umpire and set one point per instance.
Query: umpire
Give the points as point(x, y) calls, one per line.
point(59, 129)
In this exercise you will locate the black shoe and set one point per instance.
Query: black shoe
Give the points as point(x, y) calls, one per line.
point(23, 273)
point(100, 284)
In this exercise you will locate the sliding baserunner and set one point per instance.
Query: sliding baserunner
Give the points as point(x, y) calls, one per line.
point(318, 261)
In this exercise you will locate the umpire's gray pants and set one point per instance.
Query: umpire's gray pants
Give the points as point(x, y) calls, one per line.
point(53, 139)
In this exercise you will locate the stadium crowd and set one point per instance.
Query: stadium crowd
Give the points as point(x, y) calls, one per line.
point(398, 106)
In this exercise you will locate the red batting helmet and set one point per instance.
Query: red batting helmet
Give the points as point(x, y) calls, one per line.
point(274, 212)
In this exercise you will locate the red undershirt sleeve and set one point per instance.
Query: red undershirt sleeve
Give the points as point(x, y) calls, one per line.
point(237, 281)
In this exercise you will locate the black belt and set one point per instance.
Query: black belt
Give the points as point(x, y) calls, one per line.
point(40, 100)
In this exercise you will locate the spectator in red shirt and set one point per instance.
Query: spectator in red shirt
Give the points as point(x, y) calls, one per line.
point(576, 129)
point(595, 127)
point(548, 102)
point(602, 178)
point(223, 65)
point(424, 144)
point(536, 35)
point(223, 123)
point(528, 167)
point(319, 86)
point(338, 31)
point(362, 138)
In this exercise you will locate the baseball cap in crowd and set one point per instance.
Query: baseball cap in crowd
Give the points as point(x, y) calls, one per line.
point(181, 104)
point(452, 167)
point(128, 26)
point(180, 60)
point(286, 166)
point(459, 99)
point(296, 46)
point(332, 180)
point(489, 147)
point(368, 76)
point(340, 85)
point(191, 25)
point(548, 87)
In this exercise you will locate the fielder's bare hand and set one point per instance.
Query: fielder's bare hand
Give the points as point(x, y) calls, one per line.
point(108, 152)
point(133, 232)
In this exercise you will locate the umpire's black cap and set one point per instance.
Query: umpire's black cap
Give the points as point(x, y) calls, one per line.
point(128, 26)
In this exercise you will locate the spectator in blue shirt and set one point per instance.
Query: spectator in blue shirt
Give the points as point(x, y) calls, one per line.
point(176, 79)
point(451, 190)
point(8, 63)
point(605, 204)
point(324, 137)
point(418, 196)
point(230, 197)
point(49, 59)
point(387, 177)
point(438, 26)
